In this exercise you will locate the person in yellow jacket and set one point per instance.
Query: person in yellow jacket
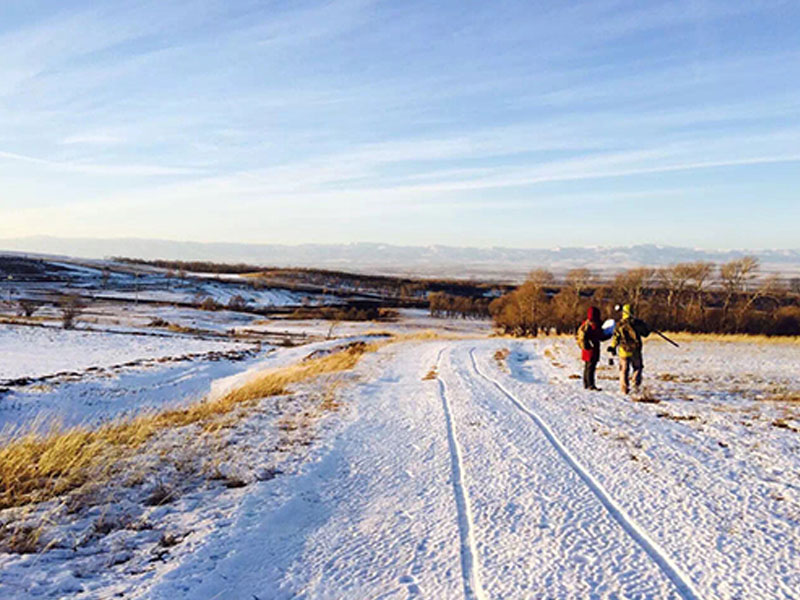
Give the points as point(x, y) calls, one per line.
point(627, 344)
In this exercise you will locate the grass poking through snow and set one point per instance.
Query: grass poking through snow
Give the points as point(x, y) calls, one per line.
point(36, 467)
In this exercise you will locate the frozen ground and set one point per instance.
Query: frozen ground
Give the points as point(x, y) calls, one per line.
point(449, 469)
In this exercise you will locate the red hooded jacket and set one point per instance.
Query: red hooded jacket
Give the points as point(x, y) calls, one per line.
point(594, 335)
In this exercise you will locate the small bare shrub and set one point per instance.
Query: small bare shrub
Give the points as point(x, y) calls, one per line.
point(237, 303)
point(208, 303)
point(71, 308)
point(432, 374)
point(500, 358)
point(24, 539)
point(161, 494)
point(168, 539)
point(28, 307)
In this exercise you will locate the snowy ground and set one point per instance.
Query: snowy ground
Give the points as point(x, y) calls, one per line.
point(39, 351)
point(446, 470)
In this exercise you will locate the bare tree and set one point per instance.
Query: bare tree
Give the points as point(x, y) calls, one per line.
point(567, 310)
point(735, 276)
point(700, 280)
point(533, 299)
point(675, 280)
point(579, 279)
point(630, 285)
point(71, 307)
point(28, 307)
point(769, 289)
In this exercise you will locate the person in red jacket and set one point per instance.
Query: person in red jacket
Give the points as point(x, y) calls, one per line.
point(590, 334)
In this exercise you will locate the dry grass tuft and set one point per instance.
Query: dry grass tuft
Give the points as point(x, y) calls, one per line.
point(24, 539)
point(432, 374)
point(645, 396)
point(783, 396)
point(672, 417)
point(783, 424)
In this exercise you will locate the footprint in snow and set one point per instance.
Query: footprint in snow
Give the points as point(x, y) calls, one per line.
point(411, 585)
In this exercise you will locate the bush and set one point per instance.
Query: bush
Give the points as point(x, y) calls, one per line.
point(71, 308)
point(209, 304)
point(28, 307)
point(237, 303)
point(787, 321)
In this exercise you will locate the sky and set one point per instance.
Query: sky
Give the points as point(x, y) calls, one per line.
point(471, 123)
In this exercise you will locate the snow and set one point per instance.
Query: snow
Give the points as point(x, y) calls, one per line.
point(496, 478)
point(39, 351)
point(222, 293)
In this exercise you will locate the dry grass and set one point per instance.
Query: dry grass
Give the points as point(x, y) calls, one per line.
point(672, 417)
point(378, 332)
point(24, 539)
point(500, 358)
point(645, 396)
point(175, 328)
point(502, 354)
point(783, 424)
point(783, 396)
point(36, 467)
point(683, 336)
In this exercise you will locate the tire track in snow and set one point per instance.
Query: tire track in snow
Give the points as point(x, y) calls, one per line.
point(681, 581)
point(470, 572)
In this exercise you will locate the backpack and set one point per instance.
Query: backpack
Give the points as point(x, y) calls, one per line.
point(580, 336)
point(627, 336)
point(641, 327)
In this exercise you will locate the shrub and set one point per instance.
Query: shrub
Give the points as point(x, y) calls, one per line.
point(237, 303)
point(71, 308)
point(28, 307)
point(209, 304)
point(787, 321)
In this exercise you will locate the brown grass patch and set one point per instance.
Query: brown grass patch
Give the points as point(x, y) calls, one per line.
point(502, 354)
point(783, 396)
point(36, 467)
point(432, 374)
point(728, 337)
point(670, 416)
point(645, 396)
point(782, 424)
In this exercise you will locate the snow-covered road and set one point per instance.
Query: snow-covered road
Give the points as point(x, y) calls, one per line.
point(488, 482)
point(452, 470)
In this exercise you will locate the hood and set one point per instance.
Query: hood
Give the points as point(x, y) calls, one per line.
point(593, 314)
point(627, 311)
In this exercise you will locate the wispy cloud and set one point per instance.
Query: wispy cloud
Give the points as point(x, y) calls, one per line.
point(356, 107)
point(139, 170)
point(98, 138)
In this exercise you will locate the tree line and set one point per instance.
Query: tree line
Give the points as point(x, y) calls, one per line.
point(698, 297)
point(444, 305)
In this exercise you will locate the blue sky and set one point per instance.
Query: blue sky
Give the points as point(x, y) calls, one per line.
point(492, 123)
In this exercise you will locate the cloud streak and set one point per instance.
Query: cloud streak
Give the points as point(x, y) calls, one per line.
point(355, 107)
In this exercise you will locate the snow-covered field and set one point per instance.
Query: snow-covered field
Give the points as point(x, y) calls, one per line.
point(39, 351)
point(450, 468)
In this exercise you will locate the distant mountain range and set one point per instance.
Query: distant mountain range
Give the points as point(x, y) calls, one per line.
point(436, 261)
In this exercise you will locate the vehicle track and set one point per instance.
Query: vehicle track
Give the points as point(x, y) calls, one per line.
point(639, 535)
point(470, 571)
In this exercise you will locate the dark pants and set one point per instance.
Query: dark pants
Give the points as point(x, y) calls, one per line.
point(589, 368)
